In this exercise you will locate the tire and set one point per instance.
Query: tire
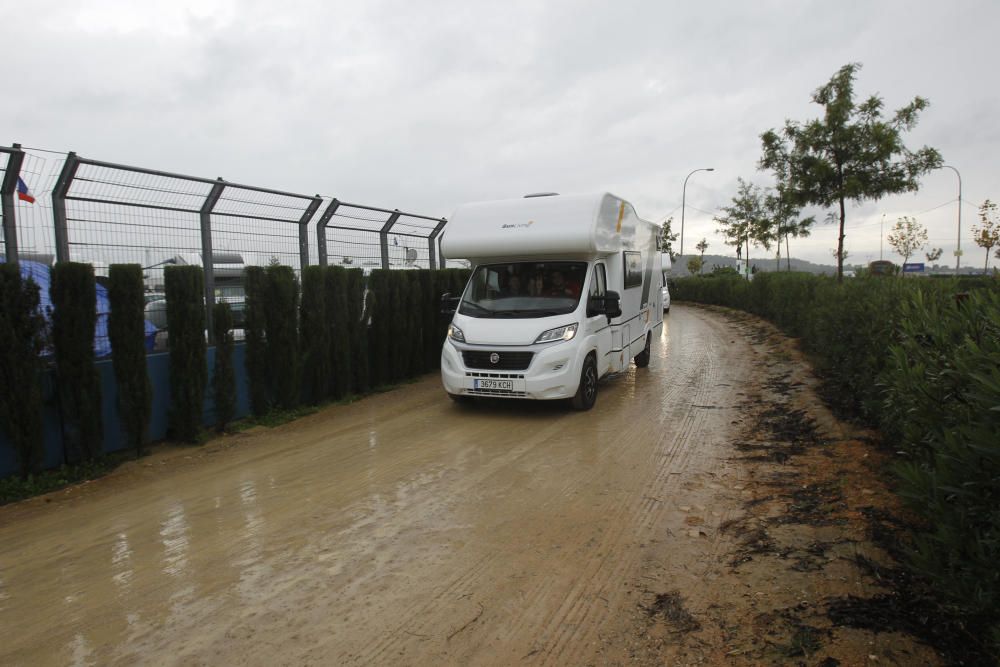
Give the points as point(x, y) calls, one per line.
point(586, 393)
point(642, 359)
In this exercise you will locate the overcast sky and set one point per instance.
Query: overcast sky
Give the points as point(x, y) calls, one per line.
point(425, 105)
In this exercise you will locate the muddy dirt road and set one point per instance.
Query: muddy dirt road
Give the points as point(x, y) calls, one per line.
point(403, 529)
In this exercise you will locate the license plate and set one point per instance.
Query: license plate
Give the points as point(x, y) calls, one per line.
point(494, 385)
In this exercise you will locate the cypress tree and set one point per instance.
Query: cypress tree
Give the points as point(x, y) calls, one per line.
point(339, 321)
point(127, 332)
point(74, 314)
point(22, 329)
point(416, 309)
point(316, 334)
point(428, 325)
point(185, 289)
point(224, 376)
point(283, 335)
point(258, 375)
point(358, 317)
point(397, 320)
point(377, 306)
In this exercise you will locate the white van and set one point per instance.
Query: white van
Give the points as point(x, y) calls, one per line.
point(565, 289)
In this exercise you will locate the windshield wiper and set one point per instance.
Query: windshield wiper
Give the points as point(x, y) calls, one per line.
point(486, 311)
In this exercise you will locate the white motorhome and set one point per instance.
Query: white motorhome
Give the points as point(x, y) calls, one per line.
point(565, 289)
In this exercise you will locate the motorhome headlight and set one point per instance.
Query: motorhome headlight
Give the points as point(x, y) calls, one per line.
point(455, 333)
point(562, 333)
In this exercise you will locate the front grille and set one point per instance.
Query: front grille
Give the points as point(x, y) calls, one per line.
point(508, 361)
point(498, 393)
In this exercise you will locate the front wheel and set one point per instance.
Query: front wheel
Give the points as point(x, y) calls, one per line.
point(642, 359)
point(586, 393)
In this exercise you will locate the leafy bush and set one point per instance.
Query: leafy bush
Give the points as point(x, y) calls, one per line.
point(942, 402)
point(185, 289)
point(74, 314)
point(315, 332)
point(22, 330)
point(224, 375)
point(126, 332)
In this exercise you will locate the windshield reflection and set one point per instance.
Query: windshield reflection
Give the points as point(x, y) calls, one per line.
point(524, 289)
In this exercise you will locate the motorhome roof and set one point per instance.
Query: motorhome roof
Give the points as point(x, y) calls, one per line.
point(584, 224)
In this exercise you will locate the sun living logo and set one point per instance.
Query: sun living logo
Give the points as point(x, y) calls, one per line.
point(520, 225)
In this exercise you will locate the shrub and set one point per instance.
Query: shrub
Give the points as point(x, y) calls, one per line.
point(942, 392)
point(74, 314)
point(338, 321)
point(429, 323)
point(358, 317)
point(127, 332)
point(224, 376)
point(283, 335)
point(185, 289)
point(22, 330)
point(315, 334)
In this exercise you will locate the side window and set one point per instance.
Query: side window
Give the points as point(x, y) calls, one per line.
point(633, 269)
point(599, 283)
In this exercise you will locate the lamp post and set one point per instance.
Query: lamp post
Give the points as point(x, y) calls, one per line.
point(684, 201)
point(958, 246)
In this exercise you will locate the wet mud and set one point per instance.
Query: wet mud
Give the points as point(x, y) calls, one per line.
point(708, 511)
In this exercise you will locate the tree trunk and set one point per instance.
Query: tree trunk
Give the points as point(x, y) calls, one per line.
point(840, 245)
point(986, 269)
point(788, 255)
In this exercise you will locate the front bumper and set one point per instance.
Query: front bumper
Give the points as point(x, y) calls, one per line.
point(554, 372)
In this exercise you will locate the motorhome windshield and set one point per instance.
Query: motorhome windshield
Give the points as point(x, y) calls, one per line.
point(524, 289)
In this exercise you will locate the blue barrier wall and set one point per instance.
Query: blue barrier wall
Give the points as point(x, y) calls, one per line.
point(114, 439)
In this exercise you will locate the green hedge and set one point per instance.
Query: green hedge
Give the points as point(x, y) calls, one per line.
point(74, 314)
point(919, 359)
point(315, 331)
point(224, 375)
point(22, 331)
point(127, 334)
point(185, 291)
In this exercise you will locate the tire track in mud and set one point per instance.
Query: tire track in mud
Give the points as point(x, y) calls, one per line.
point(570, 644)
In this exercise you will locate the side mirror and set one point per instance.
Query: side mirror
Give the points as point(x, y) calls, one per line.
point(612, 304)
point(449, 304)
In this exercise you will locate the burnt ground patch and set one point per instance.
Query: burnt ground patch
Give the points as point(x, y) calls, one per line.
point(670, 608)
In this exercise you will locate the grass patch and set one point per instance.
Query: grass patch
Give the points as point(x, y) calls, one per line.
point(14, 489)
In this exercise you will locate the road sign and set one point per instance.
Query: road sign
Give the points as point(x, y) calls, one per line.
point(913, 267)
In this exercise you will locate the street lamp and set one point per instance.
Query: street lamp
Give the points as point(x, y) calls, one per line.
point(958, 247)
point(684, 201)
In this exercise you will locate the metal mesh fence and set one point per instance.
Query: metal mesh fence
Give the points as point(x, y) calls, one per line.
point(104, 213)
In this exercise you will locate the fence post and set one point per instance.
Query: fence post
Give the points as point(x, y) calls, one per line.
point(431, 255)
point(304, 231)
point(207, 260)
point(321, 230)
point(59, 193)
point(15, 158)
point(383, 237)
